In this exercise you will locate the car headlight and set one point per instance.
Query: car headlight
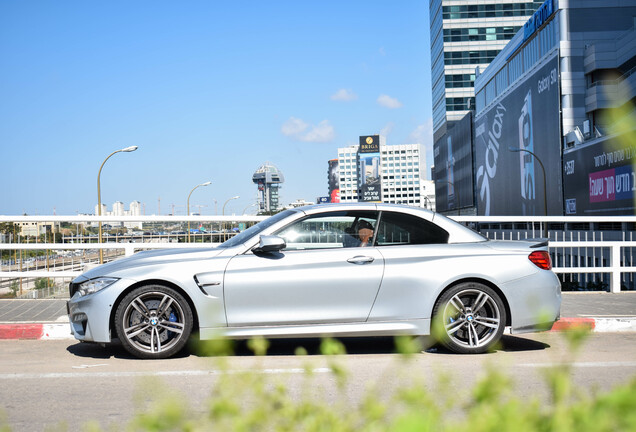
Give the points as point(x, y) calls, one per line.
point(94, 285)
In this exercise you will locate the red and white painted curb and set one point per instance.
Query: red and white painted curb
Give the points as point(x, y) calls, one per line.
point(40, 331)
point(597, 324)
point(62, 330)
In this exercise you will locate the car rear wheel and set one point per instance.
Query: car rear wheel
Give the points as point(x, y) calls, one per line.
point(153, 321)
point(469, 318)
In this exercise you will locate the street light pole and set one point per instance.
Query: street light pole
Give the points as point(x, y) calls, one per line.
point(245, 209)
point(99, 196)
point(233, 198)
point(202, 184)
point(545, 187)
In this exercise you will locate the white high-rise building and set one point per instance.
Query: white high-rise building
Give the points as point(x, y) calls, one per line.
point(402, 172)
point(118, 209)
point(135, 208)
point(466, 34)
point(104, 210)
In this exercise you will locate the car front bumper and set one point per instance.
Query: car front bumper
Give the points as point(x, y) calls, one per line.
point(89, 316)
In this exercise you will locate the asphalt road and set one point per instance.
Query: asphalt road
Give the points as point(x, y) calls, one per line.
point(46, 384)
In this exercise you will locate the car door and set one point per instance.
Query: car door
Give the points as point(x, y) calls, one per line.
point(321, 277)
point(417, 256)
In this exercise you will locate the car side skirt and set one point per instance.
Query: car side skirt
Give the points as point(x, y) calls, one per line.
point(393, 328)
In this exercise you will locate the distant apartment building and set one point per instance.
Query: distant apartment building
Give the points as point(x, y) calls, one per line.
point(34, 229)
point(119, 210)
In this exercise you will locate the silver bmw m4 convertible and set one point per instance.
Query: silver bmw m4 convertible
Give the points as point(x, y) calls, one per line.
point(324, 270)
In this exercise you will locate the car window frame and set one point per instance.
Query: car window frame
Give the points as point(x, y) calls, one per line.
point(406, 215)
point(326, 214)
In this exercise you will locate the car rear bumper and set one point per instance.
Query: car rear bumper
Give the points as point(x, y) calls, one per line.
point(535, 302)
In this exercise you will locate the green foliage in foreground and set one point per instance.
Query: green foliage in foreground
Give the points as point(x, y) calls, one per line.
point(253, 401)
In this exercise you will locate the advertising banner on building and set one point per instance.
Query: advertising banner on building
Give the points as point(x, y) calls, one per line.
point(512, 139)
point(599, 178)
point(334, 181)
point(454, 167)
point(369, 166)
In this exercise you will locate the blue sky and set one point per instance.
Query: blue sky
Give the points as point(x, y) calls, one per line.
point(208, 90)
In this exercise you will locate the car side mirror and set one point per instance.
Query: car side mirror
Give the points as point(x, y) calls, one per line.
point(270, 243)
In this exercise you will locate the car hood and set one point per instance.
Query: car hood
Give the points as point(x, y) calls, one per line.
point(147, 258)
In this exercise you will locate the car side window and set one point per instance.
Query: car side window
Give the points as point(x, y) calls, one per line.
point(331, 230)
point(405, 229)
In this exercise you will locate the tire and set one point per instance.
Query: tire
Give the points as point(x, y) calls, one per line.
point(469, 318)
point(153, 322)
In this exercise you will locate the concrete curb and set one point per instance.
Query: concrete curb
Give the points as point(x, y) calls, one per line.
point(62, 330)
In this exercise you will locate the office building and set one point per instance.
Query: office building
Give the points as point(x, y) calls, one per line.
point(376, 172)
point(466, 34)
point(553, 127)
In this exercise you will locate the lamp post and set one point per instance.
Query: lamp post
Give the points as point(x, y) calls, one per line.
point(202, 184)
point(245, 209)
point(545, 187)
point(99, 196)
point(233, 198)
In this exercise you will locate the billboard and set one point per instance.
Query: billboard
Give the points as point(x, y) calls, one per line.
point(334, 181)
point(599, 178)
point(512, 139)
point(454, 167)
point(370, 182)
point(369, 144)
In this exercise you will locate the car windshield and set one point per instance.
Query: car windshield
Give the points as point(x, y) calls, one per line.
point(256, 229)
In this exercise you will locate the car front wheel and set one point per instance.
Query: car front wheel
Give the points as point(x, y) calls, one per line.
point(153, 321)
point(469, 318)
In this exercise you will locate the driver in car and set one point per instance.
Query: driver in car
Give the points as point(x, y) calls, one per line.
point(365, 233)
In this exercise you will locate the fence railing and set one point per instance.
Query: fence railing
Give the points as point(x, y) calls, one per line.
point(594, 252)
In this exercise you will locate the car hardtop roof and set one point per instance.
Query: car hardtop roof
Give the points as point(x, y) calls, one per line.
point(458, 232)
point(362, 206)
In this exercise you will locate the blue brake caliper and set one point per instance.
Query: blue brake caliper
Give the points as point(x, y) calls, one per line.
point(172, 318)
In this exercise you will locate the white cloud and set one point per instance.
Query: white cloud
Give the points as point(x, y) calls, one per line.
point(293, 126)
point(389, 102)
point(382, 51)
point(423, 134)
point(298, 130)
point(324, 132)
point(345, 95)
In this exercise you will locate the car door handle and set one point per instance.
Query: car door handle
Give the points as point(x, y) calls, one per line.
point(361, 260)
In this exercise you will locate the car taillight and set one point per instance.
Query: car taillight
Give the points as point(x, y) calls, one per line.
point(541, 259)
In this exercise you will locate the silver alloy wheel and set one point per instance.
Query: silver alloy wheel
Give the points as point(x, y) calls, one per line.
point(153, 322)
point(472, 318)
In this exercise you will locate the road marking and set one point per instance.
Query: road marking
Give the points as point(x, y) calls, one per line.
point(580, 364)
point(54, 375)
point(89, 366)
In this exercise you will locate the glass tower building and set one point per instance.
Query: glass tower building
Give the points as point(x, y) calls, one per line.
point(466, 34)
